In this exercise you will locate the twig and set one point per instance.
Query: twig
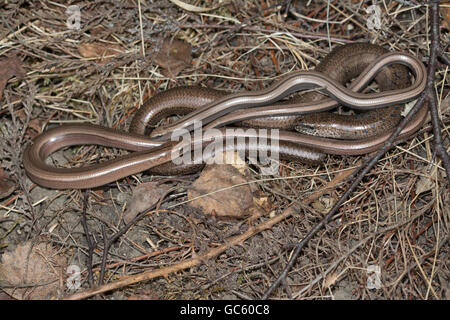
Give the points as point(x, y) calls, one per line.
point(89, 239)
point(189, 263)
point(444, 58)
point(358, 245)
point(435, 46)
point(442, 55)
point(108, 241)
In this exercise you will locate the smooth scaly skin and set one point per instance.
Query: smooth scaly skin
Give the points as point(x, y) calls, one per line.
point(343, 64)
point(183, 100)
point(257, 104)
point(151, 152)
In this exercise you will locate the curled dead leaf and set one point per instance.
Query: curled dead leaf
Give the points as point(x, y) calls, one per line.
point(330, 280)
point(9, 67)
point(223, 191)
point(424, 184)
point(33, 272)
point(7, 185)
point(144, 196)
point(264, 202)
point(173, 56)
point(98, 50)
point(444, 9)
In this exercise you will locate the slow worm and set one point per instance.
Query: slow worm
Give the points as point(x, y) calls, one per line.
point(157, 150)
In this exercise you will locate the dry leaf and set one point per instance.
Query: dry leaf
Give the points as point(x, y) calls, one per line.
point(424, 184)
point(330, 280)
point(444, 9)
point(99, 50)
point(10, 67)
point(263, 202)
point(173, 56)
point(39, 268)
point(230, 200)
point(7, 186)
point(35, 127)
point(144, 196)
point(235, 160)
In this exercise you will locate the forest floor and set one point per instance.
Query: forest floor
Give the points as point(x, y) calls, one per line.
point(388, 241)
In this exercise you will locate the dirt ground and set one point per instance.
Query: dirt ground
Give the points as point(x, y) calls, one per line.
point(97, 62)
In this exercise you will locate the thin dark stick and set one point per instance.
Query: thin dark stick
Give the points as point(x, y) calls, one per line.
point(288, 5)
point(435, 48)
point(106, 245)
point(89, 239)
point(361, 172)
point(429, 95)
point(108, 241)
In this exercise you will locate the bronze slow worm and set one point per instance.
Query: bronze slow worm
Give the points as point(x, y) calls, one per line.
point(342, 65)
point(150, 152)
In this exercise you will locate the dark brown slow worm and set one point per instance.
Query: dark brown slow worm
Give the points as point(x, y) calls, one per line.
point(302, 80)
point(151, 152)
point(342, 65)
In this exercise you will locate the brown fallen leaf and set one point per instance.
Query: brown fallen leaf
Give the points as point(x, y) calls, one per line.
point(7, 185)
point(330, 280)
point(444, 8)
point(173, 56)
point(9, 67)
point(227, 191)
point(37, 274)
point(35, 127)
point(425, 184)
point(98, 50)
point(144, 196)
